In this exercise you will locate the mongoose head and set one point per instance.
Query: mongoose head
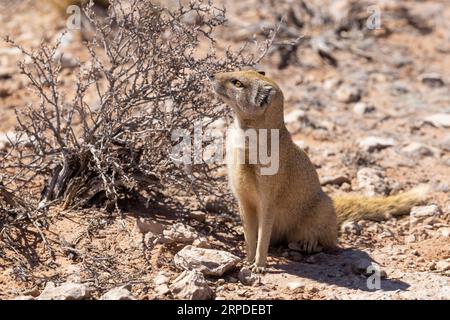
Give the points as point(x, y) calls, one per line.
point(249, 93)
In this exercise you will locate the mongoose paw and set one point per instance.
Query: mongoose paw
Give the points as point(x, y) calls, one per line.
point(258, 269)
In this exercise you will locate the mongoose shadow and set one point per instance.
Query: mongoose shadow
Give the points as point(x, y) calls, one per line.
point(337, 268)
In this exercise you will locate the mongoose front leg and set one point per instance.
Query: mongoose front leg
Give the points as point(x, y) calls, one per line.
point(250, 223)
point(266, 219)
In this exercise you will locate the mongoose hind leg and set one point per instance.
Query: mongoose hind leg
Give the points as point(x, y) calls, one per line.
point(317, 230)
point(250, 222)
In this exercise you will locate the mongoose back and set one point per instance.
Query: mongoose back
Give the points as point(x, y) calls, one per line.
point(290, 204)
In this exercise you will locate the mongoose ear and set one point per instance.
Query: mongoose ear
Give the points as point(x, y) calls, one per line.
point(264, 95)
point(261, 72)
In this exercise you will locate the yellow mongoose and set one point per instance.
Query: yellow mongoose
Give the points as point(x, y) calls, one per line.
point(290, 204)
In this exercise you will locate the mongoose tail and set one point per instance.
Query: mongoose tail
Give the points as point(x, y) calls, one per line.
point(356, 207)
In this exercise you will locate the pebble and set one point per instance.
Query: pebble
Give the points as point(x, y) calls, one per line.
point(66, 291)
point(348, 93)
point(208, 261)
point(372, 143)
point(119, 293)
point(440, 120)
point(191, 285)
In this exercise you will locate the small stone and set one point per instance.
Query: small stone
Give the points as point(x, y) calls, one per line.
point(247, 277)
point(373, 228)
point(146, 226)
point(5, 139)
point(367, 268)
point(161, 278)
point(191, 285)
point(351, 227)
point(295, 285)
point(66, 291)
point(198, 215)
point(181, 233)
point(417, 150)
point(373, 143)
point(425, 211)
point(119, 293)
point(432, 80)
point(295, 120)
point(302, 144)
point(443, 265)
point(346, 187)
point(208, 261)
point(440, 120)
point(371, 181)
point(445, 232)
point(24, 298)
point(202, 243)
point(162, 290)
point(361, 108)
point(348, 93)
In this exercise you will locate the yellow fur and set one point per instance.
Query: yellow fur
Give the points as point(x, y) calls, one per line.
point(289, 205)
point(356, 207)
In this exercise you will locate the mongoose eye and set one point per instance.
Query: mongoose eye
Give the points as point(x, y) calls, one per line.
point(237, 83)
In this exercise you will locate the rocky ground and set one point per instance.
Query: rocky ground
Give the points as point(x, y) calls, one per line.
point(371, 108)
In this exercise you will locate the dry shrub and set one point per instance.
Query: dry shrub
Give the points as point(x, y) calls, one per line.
point(111, 137)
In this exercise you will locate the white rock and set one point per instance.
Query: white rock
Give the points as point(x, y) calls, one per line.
point(441, 120)
point(371, 181)
point(161, 278)
point(119, 293)
point(202, 243)
point(372, 143)
point(302, 144)
point(425, 211)
point(5, 139)
point(24, 298)
point(208, 261)
point(348, 93)
point(445, 232)
point(66, 291)
point(362, 108)
point(417, 150)
point(162, 289)
point(295, 119)
point(181, 233)
point(295, 116)
point(191, 285)
point(247, 277)
point(294, 285)
point(443, 265)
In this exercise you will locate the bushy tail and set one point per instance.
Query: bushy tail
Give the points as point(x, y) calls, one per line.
point(355, 207)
